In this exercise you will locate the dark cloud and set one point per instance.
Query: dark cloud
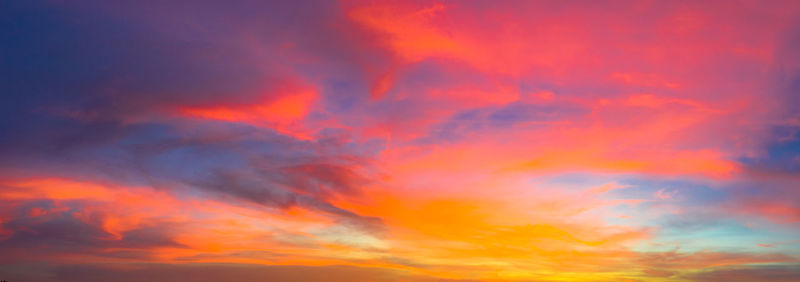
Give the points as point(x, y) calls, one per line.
point(39, 228)
point(78, 81)
point(241, 164)
point(206, 272)
point(303, 190)
point(675, 260)
point(780, 272)
point(323, 178)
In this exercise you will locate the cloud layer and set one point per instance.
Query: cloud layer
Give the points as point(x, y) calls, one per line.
point(400, 141)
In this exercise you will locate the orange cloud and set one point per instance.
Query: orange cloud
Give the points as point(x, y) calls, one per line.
point(282, 113)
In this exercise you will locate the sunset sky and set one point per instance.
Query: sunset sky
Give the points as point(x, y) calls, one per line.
point(399, 140)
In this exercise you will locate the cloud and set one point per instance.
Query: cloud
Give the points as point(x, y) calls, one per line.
point(779, 272)
point(41, 229)
point(408, 137)
point(237, 272)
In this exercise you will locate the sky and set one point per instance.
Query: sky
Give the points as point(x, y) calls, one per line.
point(399, 140)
